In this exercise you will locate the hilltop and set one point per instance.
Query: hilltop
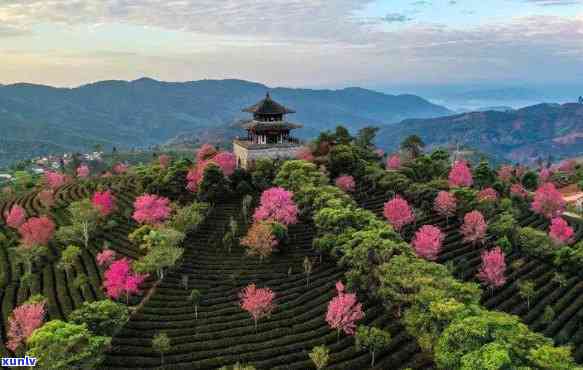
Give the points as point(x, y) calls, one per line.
point(37, 119)
point(520, 135)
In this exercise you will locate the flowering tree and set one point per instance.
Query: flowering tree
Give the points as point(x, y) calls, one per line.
point(474, 227)
point(104, 202)
point(518, 190)
point(305, 154)
point(83, 171)
point(16, 217)
point(151, 209)
point(106, 174)
point(394, 162)
point(120, 279)
point(505, 173)
point(260, 240)
point(277, 205)
point(37, 231)
point(493, 268)
point(206, 152)
point(226, 161)
point(344, 311)
point(105, 257)
point(488, 195)
point(427, 242)
point(548, 201)
point(257, 301)
point(195, 175)
point(398, 212)
point(445, 204)
point(568, 165)
point(120, 168)
point(460, 175)
point(164, 160)
point(346, 183)
point(560, 231)
point(544, 175)
point(46, 198)
point(54, 180)
point(23, 321)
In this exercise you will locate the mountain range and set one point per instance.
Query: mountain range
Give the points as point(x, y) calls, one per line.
point(37, 119)
point(521, 135)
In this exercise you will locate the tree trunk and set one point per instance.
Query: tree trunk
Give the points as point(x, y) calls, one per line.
point(372, 360)
point(196, 312)
point(255, 326)
point(162, 353)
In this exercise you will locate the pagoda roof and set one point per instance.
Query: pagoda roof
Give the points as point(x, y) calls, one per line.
point(268, 106)
point(269, 125)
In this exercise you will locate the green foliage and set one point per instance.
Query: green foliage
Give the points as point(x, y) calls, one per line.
point(526, 290)
point(467, 200)
point(425, 168)
point(496, 340)
point(372, 338)
point(320, 356)
point(84, 221)
point(343, 160)
point(238, 366)
point(483, 175)
point(504, 225)
point(533, 241)
point(264, 172)
point(530, 180)
point(413, 145)
point(296, 174)
point(61, 345)
point(394, 181)
point(187, 219)
point(68, 258)
point(104, 317)
point(162, 250)
point(161, 344)
point(214, 185)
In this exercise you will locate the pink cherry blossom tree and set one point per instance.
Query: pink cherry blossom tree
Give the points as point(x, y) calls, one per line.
point(544, 175)
point(23, 321)
point(344, 311)
point(120, 168)
point(346, 183)
point(104, 202)
point(277, 204)
point(305, 154)
point(460, 175)
point(474, 227)
point(518, 190)
point(105, 257)
point(37, 231)
point(493, 268)
point(47, 198)
point(164, 160)
point(206, 152)
point(16, 217)
point(394, 162)
point(548, 201)
point(398, 212)
point(226, 161)
point(488, 195)
point(445, 204)
point(54, 180)
point(258, 302)
point(568, 166)
point(506, 173)
point(120, 279)
point(151, 209)
point(427, 242)
point(560, 231)
point(195, 175)
point(83, 171)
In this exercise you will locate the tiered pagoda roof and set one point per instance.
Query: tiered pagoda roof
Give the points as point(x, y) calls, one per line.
point(268, 106)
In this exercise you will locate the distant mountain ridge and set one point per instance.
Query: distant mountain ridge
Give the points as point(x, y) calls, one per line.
point(38, 119)
point(520, 135)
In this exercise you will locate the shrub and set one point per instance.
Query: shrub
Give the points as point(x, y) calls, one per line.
point(101, 317)
point(533, 242)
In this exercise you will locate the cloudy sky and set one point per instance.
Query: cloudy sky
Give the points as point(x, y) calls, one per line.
point(311, 43)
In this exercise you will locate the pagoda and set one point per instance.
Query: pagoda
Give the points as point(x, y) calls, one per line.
point(268, 134)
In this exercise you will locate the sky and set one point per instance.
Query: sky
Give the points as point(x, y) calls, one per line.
point(297, 43)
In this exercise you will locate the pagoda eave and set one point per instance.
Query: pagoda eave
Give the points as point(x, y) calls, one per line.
point(259, 126)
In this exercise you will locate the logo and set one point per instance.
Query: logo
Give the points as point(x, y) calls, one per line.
point(18, 361)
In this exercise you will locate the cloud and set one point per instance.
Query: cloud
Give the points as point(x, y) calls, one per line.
point(555, 2)
point(396, 18)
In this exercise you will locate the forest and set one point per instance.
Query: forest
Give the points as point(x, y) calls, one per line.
point(345, 257)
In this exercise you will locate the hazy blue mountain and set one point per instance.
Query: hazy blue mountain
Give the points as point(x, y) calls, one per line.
point(37, 119)
point(520, 135)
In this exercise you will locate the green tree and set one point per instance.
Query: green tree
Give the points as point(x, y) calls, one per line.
point(342, 135)
point(103, 317)
point(413, 145)
point(548, 315)
point(365, 137)
point(84, 219)
point(187, 219)
point(484, 176)
point(320, 356)
point(161, 344)
point(68, 258)
point(61, 345)
point(195, 298)
point(526, 290)
point(503, 226)
point(214, 184)
point(372, 338)
point(295, 175)
point(162, 249)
